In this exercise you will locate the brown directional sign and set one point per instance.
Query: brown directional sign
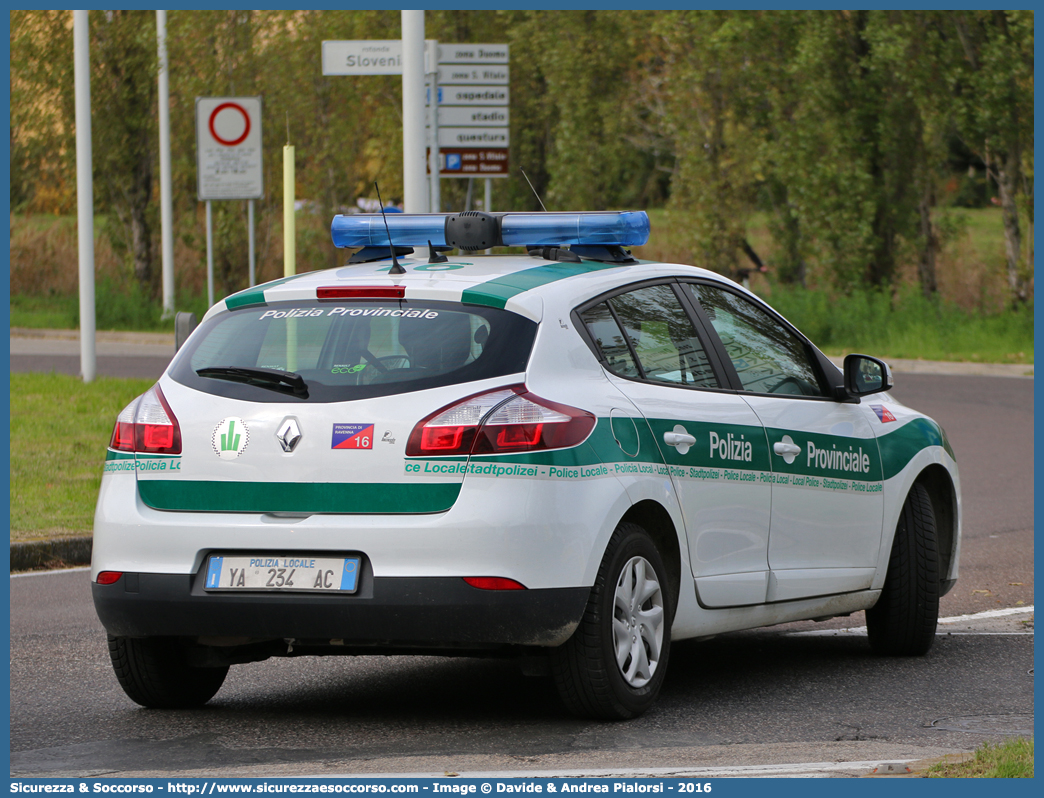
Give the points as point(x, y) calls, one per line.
point(469, 162)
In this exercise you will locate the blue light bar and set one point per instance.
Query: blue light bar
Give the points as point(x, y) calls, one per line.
point(407, 230)
point(609, 228)
point(602, 228)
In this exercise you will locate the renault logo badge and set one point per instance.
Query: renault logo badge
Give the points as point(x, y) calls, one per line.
point(289, 434)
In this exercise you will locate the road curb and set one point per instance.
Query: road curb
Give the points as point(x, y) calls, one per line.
point(35, 554)
point(952, 368)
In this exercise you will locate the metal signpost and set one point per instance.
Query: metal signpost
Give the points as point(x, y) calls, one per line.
point(431, 120)
point(228, 162)
point(384, 57)
point(166, 200)
point(468, 124)
point(472, 116)
point(84, 193)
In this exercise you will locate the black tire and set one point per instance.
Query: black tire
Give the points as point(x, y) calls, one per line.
point(154, 672)
point(589, 679)
point(903, 621)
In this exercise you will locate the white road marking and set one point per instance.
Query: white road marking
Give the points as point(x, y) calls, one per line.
point(987, 614)
point(986, 634)
point(790, 770)
point(860, 631)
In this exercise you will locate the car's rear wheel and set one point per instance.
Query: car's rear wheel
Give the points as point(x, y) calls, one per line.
point(155, 673)
point(613, 666)
point(903, 621)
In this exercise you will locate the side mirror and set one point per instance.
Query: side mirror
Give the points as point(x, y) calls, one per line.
point(184, 324)
point(866, 375)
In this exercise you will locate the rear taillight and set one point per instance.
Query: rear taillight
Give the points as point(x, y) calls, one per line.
point(503, 421)
point(109, 577)
point(147, 425)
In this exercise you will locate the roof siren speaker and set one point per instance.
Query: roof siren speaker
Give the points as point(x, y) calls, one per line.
point(470, 231)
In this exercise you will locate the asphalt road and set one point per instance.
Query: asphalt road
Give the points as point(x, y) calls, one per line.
point(117, 354)
point(785, 695)
point(750, 698)
point(989, 421)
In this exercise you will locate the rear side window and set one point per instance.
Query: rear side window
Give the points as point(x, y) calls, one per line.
point(610, 341)
point(354, 350)
point(649, 324)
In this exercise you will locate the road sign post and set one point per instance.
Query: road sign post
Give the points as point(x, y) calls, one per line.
point(467, 96)
point(84, 193)
point(166, 200)
point(415, 197)
point(431, 67)
point(474, 120)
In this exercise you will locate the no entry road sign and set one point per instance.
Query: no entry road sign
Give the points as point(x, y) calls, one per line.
point(228, 148)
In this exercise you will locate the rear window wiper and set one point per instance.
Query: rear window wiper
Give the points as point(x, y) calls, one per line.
point(272, 379)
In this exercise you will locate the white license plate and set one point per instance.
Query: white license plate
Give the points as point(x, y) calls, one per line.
point(283, 573)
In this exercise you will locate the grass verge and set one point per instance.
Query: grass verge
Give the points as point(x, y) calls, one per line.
point(1012, 759)
point(906, 326)
point(115, 309)
point(59, 431)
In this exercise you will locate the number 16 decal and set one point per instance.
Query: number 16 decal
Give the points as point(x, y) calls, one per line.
point(352, 436)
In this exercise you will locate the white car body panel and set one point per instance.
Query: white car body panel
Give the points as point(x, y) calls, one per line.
point(822, 553)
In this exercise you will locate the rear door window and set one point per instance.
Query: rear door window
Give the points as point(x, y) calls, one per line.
point(355, 350)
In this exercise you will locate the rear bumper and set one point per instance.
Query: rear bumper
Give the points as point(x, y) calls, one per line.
point(387, 612)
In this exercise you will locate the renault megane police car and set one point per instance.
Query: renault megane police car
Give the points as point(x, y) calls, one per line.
point(568, 454)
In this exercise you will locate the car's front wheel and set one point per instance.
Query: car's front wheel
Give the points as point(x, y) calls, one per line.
point(155, 673)
point(903, 620)
point(613, 666)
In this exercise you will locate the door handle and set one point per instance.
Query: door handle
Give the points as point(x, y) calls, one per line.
point(786, 448)
point(679, 438)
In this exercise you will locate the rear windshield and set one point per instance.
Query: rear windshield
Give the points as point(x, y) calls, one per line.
point(353, 349)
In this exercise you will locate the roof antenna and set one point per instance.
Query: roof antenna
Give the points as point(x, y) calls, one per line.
point(396, 268)
point(523, 171)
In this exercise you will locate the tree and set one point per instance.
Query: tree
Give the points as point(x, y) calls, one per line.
point(43, 146)
point(123, 80)
point(568, 109)
point(832, 123)
point(910, 47)
point(123, 128)
point(693, 80)
point(993, 94)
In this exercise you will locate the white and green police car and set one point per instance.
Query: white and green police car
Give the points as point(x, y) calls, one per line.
point(567, 454)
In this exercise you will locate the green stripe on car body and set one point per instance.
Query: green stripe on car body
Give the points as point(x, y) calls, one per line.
point(496, 293)
point(824, 455)
point(859, 459)
point(900, 446)
point(255, 297)
point(364, 498)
